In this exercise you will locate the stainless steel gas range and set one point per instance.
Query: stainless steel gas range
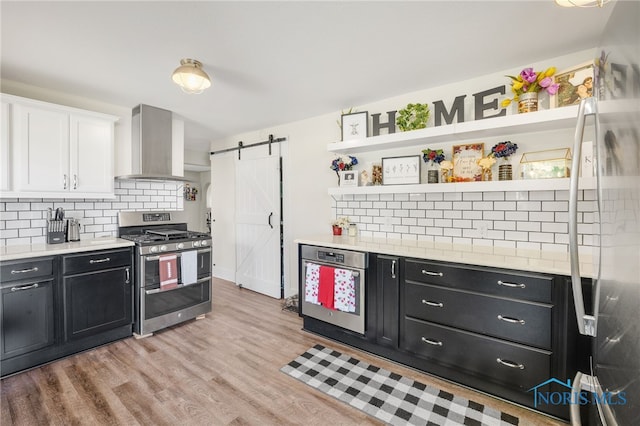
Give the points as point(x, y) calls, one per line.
point(172, 269)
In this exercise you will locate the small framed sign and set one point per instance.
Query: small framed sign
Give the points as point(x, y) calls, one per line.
point(575, 85)
point(401, 170)
point(348, 178)
point(354, 126)
point(465, 162)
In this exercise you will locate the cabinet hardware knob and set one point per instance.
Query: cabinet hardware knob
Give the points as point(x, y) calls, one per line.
point(434, 304)
point(24, 271)
point(393, 269)
point(431, 341)
point(106, 259)
point(64, 181)
point(434, 274)
point(24, 287)
point(127, 276)
point(511, 320)
point(510, 364)
point(75, 181)
point(512, 285)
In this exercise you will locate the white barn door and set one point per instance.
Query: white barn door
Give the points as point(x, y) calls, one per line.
point(258, 255)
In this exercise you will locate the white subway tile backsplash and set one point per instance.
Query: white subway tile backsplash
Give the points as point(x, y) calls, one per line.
point(504, 205)
point(23, 221)
point(555, 206)
point(493, 196)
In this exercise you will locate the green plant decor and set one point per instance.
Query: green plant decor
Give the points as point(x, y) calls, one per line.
point(413, 117)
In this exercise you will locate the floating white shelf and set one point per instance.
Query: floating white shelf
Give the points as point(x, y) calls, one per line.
point(540, 121)
point(503, 185)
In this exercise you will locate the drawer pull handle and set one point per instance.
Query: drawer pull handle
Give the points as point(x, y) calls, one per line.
point(24, 271)
point(512, 285)
point(106, 259)
point(25, 287)
point(433, 274)
point(431, 342)
point(511, 320)
point(510, 364)
point(434, 304)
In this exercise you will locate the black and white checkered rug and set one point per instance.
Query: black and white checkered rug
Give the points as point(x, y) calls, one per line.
point(387, 396)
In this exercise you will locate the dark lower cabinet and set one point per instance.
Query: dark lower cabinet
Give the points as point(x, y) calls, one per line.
point(500, 331)
point(27, 317)
point(387, 281)
point(55, 306)
point(96, 302)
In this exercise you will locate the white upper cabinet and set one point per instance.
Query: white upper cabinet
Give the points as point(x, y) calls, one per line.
point(5, 154)
point(91, 155)
point(40, 145)
point(59, 152)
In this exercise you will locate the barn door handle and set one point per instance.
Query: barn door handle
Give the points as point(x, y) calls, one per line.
point(269, 220)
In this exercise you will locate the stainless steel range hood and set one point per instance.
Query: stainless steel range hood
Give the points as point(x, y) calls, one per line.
point(156, 155)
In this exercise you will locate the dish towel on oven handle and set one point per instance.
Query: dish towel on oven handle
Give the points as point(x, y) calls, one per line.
point(345, 290)
point(168, 265)
point(189, 267)
point(326, 286)
point(311, 282)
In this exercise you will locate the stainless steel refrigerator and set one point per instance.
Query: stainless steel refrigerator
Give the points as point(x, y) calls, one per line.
point(609, 394)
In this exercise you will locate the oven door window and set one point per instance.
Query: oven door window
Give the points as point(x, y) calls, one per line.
point(164, 302)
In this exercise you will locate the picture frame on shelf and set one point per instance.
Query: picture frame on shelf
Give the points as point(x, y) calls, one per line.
point(355, 125)
point(465, 162)
point(575, 84)
point(401, 170)
point(349, 178)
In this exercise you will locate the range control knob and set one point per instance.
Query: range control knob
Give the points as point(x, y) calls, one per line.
point(163, 248)
point(153, 249)
point(180, 246)
point(203, 243)
point(196, 243)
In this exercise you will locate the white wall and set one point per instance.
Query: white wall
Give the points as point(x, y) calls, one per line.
point(308, 209)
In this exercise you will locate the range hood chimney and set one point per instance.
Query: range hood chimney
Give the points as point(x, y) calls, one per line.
point(156, 153)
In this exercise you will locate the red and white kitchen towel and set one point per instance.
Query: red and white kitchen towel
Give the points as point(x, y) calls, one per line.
point(168, 271)
point(334, 288)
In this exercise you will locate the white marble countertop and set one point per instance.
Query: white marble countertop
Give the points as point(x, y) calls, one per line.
point(37, 250)
point(517, 259)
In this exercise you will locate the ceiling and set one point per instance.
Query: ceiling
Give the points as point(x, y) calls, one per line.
point(276, 62)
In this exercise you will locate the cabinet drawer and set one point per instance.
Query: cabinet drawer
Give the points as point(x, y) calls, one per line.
point(504, 362)
point(517, 321)
point(94, 261)
point(496, 282)
point(26, 269)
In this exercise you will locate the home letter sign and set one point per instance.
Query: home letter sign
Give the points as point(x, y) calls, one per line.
point(440, 111)
point(390, 125)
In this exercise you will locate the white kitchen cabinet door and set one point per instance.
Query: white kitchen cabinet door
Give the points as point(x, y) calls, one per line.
point(40, 142)
point(91, 155)
point(5, 160)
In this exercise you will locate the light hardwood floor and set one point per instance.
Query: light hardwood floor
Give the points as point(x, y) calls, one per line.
point(222, 370)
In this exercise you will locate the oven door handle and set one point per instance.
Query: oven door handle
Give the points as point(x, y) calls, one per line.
point(354, 271)
point(160, 290)
point(157, 257)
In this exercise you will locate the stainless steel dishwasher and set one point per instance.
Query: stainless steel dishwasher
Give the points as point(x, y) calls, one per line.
point(356, 264)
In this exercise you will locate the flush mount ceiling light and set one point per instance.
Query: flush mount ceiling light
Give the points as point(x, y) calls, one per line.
point(190, 76)
point(581, 3)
